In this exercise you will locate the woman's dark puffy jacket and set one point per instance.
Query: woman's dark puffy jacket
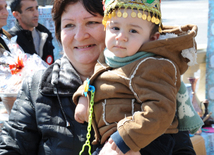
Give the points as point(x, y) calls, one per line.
point(42, 119)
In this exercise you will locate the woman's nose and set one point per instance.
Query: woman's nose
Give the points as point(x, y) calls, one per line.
point(81, 34)
point(122, 37)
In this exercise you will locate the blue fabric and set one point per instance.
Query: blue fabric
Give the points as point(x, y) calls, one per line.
point(170, 144)
point(119, 142)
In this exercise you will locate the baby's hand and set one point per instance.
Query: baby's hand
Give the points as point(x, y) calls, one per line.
point(110, 146)
point(82, 110)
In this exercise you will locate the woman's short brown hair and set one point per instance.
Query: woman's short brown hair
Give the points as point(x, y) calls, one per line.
point(92, 6)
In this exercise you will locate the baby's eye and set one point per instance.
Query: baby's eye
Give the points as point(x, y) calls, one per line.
point(93, 22)
point(115, 28)
point(133, 31)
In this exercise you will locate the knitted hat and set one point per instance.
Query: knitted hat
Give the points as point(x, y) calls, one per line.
point(147, 10)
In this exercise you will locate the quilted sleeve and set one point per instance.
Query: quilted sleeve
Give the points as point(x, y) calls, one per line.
point(20, 134)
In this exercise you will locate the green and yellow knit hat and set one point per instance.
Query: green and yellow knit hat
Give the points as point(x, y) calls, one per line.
point(147, 10)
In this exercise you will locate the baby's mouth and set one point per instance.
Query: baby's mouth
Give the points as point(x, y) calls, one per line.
point(120, 47)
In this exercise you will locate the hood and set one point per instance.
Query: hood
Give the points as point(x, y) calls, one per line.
point(177, 48)
point(60, 77)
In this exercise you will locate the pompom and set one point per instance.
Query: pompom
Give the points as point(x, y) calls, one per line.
point(191, 55)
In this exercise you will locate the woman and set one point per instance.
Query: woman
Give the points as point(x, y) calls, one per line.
point(42, 119)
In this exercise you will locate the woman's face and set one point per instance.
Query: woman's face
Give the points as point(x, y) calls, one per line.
point(82, 35)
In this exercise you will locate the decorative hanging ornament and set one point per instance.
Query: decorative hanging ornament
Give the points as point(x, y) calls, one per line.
point(17, 67)
point(146, 10)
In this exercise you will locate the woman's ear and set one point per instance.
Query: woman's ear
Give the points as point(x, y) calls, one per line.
point(155, 36)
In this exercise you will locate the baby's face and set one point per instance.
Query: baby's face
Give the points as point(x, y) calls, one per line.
point(124, 36)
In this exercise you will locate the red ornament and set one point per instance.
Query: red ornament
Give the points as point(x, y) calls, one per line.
point(17, 67)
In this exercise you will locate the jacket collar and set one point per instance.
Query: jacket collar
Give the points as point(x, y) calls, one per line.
point(60, 78)
point(18, 27)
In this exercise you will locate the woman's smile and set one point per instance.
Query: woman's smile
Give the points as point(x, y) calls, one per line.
point(85, 46)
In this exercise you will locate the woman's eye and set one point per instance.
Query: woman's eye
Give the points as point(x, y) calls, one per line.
point(69, 25)
point(133, 31)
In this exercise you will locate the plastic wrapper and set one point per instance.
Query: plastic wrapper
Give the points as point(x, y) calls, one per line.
point(15, 66)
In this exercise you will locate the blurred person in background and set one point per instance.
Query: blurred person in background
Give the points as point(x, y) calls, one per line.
point(3, 21)
point(31, 36)
point(3, 33)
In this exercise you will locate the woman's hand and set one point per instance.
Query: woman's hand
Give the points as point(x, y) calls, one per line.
point(111, 148)
point(82, 110)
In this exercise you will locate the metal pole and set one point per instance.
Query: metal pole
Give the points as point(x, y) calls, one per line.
point(210, 58)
